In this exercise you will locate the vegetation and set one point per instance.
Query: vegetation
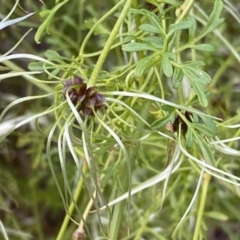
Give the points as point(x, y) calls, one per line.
point(119, 120)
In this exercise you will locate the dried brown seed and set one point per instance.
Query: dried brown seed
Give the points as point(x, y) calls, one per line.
point(90, 102)
point(70, 82)
point(100, 100)
point(91, 91)
point(81, 98)
point(81, 89)
point(73, 96)
point(87, 111)
point(77, 80)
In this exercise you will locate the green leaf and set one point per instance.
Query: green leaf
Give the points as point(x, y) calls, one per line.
point(203, 129)
point(138, 11)
point(203, 47)
point(197, 75)
point(189, 138)
point(38, 66)
point(209, 123)
point(154, 19)
point(54, 73)
point(198, 79)
point(44, 13)
point(155, 42)
point(149, 28)
point(103, 75)
point(142, 65)
point(205, 149)
point(108, 174)
point(129, 38)
point(177, 77)
point(135, 46)
point(155, 26)
point(214, 21)
point(195, 118)
point(179, 26)
point(193, 64)
point(167, 66)
point(217, 215)
point(51, 55)
point(163, 121)
point(45, 25)
point(198, 88)
point(192, 30)
point(35, 66)
point(167, 108)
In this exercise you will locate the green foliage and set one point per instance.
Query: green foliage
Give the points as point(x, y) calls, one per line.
point(46, 24)
point(123, 108)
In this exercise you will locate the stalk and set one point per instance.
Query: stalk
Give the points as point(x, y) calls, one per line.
point(206, 179)
point(119, 208)
point(109, 43)
point(71, 207)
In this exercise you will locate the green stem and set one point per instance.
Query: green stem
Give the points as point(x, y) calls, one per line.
point(111, 38)
point(119, 208)
point(221, 71)
point(206, 179)
point(71, 208)
point(36, 212)
point(86, 39)
point(144, 222)
point(138, 22)
point(186, 7)
point(178, 60)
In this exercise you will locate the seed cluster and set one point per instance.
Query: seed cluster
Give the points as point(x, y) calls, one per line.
point(86, 99)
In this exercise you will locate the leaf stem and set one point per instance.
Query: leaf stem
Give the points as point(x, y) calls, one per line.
point(119, 208)
point(111, 38)
point(178, 60)
point(86, 39)
point(71, 207)
point(186, 7)
point(206, 179)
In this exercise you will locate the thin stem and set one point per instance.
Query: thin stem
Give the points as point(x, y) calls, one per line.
point(221, 71)
point(138, 22)
point(90, 203)
point(178, 60)
point(144, 222)
point(111, 38)
point(119, 208)
point(71, 207)
point(36, 211)
point(186, 7)
point(86, 39)
point(206, 179)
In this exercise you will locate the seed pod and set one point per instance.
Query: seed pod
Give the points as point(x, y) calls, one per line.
point(81, 89)
point(85, 99)
point(90, 102)
point(87, 111)
point(81, 98)
point(76, 81)
point(73, 96)
point(91, 91)
point(70, 82)
point(100, 100)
